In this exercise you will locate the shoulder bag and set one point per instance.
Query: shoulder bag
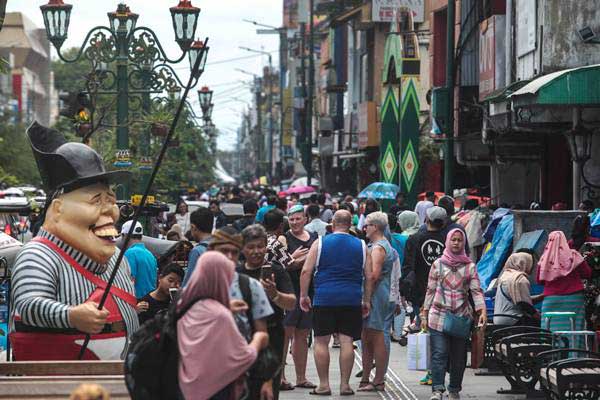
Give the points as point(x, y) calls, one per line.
point(455, 325)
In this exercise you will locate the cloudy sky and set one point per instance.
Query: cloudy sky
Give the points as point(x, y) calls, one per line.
point(220, 20)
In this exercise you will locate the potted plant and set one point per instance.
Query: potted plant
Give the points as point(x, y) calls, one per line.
point(83, 124)
point(160, 122)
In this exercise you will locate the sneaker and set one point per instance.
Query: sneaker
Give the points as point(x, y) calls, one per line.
point(453, 396)
point(426, 380)
point(437, 395)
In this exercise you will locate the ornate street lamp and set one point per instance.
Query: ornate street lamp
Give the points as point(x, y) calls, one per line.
point(205, 96)
point(143, 71)
point(198, 49)
point(207, 114)
point(122, 20)
point(56, 20)
point(185, 19)
point(580, 144)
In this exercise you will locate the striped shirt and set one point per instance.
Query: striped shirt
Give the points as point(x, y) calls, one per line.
point(45, 286)
point(455, 296)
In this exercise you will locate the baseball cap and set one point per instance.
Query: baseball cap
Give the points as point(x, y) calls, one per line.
point(138, 230)
point(436, 213)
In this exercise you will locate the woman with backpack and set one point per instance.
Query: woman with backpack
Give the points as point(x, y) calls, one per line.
point(207, 332)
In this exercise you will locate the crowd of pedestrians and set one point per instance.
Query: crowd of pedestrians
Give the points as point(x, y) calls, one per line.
point(288, 274)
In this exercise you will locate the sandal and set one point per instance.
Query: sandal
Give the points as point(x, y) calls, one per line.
point(315, 393)
point(380, 387)
point(348, 392)
point(367, 388)
point(363, 384)
point(286, 386)
point(373, 387)
point(306, 385)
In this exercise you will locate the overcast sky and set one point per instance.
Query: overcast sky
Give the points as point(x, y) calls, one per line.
point(220, 20)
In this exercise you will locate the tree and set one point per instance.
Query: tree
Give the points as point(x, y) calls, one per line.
point(16, 157)
point(71, 77)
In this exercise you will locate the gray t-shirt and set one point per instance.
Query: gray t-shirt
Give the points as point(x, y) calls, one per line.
point(326, 215)
point(503, 305)
point(261, 308)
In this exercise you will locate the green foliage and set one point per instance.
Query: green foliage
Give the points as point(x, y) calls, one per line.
point(71, 77)
point(188, 165)
point(17, 165)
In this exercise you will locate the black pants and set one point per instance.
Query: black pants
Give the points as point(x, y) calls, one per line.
point(276, 338)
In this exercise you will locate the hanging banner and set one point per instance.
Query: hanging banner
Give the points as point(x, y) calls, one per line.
point(409, 137)
point(388, 148)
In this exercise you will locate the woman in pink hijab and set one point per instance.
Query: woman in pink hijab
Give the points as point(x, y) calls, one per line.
point(561, 270)
point(214, 356)
point(451, 278)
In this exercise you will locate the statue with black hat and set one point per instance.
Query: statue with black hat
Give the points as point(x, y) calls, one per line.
point(59, 276)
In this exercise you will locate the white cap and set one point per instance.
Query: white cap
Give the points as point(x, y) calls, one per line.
point(138, 230)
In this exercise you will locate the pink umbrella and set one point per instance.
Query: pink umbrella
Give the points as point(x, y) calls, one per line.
point(297, 190)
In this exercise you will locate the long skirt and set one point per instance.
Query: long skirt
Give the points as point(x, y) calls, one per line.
point(567, 303)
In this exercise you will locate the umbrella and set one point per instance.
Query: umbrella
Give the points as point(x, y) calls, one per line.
point(379, 190)
point(297, 190)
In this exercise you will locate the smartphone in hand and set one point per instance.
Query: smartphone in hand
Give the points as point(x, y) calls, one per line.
point(266, 271)
point(174, 294)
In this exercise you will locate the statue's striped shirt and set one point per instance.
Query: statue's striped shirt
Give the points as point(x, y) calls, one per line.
point(44, 285)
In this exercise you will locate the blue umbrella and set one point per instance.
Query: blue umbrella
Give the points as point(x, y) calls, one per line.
point(380, 190)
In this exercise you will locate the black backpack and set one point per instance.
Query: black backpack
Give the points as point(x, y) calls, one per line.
point(244, 282)
point(152, 360)
point(268, 363)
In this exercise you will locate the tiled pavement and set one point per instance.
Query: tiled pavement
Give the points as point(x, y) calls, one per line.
point(400, 383)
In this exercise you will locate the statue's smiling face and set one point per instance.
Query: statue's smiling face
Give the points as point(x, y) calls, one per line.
point(85, 219)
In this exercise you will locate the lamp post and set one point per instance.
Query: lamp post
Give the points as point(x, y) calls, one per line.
point(205, 96)
point(270, 107)
point(142, 68)
point(580, 140)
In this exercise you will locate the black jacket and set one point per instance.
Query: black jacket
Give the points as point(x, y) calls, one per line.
point(422, 249)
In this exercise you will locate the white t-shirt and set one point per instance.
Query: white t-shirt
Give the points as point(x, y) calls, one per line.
point(183, 221)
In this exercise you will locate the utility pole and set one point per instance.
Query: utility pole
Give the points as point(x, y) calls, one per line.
point(303, 114)
point(449, 148)
point(271, 125)
point(258, 92)
point(311, 87)
point(282, 74)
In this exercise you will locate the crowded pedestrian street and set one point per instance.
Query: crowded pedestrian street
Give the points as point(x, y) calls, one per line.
point(296, 199)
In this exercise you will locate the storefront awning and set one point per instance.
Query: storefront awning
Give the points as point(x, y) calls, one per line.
point(577, 87)
point(500, 95)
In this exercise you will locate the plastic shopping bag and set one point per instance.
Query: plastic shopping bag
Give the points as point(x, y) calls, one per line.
point(419, 352)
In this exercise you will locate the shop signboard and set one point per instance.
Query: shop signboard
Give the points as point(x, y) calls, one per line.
point(383, 10)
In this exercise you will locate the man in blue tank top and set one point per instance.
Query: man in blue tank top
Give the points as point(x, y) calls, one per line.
point(342, 269)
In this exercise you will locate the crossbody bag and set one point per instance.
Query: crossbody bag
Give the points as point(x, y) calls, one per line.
point(455, 325)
